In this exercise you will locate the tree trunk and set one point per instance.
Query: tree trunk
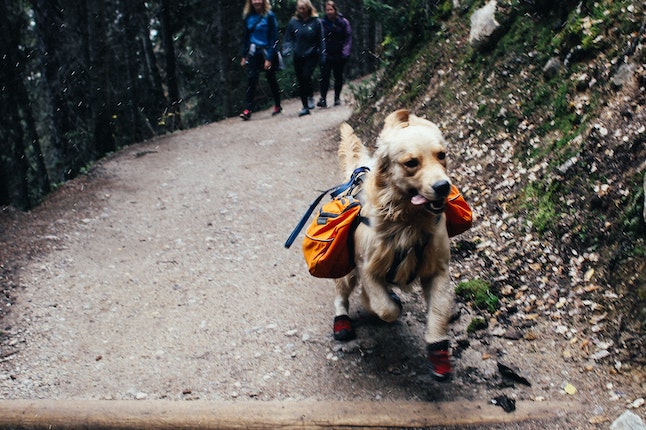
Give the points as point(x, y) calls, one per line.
point(131, 24)
point(156, 100)
point(99, 95)
point(174, 120)
point(221, 67)
point(48, 30)
point(18, 110)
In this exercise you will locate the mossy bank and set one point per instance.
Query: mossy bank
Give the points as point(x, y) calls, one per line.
point(546, 130)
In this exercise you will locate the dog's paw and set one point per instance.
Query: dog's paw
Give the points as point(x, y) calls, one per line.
point(390, 309)
point(440, 360)
point(343, 330)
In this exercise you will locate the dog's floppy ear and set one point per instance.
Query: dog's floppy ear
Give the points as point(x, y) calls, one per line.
point(399, 119)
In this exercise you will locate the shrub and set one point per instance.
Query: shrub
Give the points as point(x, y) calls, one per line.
point(479, 292)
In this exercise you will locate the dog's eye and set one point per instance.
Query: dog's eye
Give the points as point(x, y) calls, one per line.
point(441, 155)
point(412, 163)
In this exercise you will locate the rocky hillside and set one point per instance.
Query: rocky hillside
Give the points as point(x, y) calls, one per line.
point(543, 106)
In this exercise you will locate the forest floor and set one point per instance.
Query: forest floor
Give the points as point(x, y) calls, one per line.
point(161, 274)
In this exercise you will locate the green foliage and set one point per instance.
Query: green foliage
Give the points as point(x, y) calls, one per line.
point(575, 30)
point(539, 202)
point(632, 217)
point(587, 30)
point(81, 153)
point(84, 170)
point(420, 16)
point(445, 9)
point(364, 92)
point(389, 46)
point(478, 291)
point(477, 323)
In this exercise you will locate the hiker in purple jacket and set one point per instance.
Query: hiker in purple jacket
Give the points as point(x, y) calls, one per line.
point(337, 35)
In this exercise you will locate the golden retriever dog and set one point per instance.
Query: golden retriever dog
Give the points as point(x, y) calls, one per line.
point(401, 236)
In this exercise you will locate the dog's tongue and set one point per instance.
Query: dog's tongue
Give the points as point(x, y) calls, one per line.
point(419, 200)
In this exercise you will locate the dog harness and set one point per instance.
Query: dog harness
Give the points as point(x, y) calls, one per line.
point(355, 180)
point(400, 256)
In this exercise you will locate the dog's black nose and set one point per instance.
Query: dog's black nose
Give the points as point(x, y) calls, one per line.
point(442, 188)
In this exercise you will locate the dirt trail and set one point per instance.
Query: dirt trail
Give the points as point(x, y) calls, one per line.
point(162, 275)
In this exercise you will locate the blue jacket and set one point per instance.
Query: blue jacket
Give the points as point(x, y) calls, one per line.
point(261, 31)
point(304, 38)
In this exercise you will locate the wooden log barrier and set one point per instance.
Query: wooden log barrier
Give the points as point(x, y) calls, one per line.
point(163, 414)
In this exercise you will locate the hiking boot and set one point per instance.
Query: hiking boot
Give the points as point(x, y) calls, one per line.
point(304, 111)
point(277, 110)
point(322, 103)
point(310, 103)
point(246, 114)
point(337, 102)
point(440, 359)
point(343, 328)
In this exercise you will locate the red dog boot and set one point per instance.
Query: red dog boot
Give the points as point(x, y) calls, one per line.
point(438, 356)
point(343, 328)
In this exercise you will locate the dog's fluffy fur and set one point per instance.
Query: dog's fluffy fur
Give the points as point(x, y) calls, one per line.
point(403, 197)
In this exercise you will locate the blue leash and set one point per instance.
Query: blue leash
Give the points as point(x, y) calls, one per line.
point(355, 179)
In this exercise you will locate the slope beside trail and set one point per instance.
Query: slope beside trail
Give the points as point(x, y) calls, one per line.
point(162, 275)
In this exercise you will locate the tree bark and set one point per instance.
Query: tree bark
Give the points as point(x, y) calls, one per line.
point(156, 100)
point(48, 30)
point(174, 119)
point(100, 97)
point(19, 110)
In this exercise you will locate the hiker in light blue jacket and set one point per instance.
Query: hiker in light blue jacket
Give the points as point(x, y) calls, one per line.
point(259, 53)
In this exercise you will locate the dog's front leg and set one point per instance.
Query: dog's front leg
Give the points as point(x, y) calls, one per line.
point(378, 298)
point(439, 301)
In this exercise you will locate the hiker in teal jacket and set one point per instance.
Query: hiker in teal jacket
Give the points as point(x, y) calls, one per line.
point(259, 46)
point(304, 39)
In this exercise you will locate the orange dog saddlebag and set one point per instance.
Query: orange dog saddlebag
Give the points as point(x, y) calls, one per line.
point(458, 213)
point(327, 245)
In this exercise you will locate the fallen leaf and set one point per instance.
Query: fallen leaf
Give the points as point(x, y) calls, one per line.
point(511, 372)
point(506, 403)
point(530, 336)
point(588, 275)
point(570, 389)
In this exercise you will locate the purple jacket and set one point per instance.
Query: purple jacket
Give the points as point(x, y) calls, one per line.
point(337, 36)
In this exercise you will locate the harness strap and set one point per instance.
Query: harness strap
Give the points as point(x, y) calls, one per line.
point(400, 256)
point(355, 179)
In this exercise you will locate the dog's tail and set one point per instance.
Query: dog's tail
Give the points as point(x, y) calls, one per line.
point(352, 152)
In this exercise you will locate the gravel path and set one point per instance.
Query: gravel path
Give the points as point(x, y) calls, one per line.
point(162, 275)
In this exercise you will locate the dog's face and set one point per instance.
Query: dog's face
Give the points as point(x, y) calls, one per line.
point(411, 159)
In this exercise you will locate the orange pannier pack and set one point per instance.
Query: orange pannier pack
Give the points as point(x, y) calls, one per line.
point(328, 244)
point(458, 213)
